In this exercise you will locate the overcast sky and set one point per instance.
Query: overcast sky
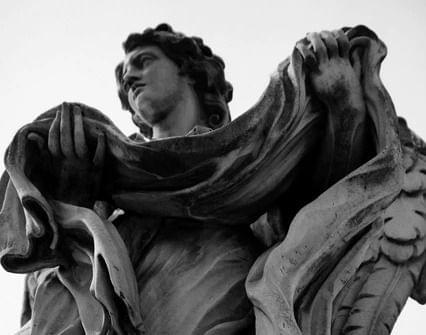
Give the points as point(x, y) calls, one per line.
point(55, 51)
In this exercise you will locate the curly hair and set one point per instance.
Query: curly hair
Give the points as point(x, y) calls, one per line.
point(195, 60)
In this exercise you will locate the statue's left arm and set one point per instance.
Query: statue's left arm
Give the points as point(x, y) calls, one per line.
point(336, 83)
point(355, 253)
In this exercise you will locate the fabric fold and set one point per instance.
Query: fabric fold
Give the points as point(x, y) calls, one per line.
point(229, 176)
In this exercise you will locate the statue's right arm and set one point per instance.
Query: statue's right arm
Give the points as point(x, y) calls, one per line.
point(76, 172)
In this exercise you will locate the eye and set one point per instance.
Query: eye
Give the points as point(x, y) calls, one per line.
point(142, 61)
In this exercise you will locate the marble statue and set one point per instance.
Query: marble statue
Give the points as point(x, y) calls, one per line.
point(305, 215)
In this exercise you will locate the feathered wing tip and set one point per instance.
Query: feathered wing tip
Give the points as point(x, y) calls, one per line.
point(372, 301)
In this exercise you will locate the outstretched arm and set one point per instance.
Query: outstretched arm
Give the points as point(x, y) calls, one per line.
point(337, 86)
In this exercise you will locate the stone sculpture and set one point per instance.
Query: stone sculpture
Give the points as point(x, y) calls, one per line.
point(306, 215)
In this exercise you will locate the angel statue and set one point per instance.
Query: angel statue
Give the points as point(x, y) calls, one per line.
point(305, 215)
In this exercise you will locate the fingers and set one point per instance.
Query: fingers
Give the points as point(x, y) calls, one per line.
point(327, 45)
point(37, 139)
point(330, 44)
point(318, 45)
point(99, 157)
point(307, 54)
point(343, 42)
point(66, 138)
point(66, 134)
point(80, 144)
point(53, 141)
point(356, 64)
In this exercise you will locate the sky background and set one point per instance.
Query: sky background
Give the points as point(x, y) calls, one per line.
point(55, 51)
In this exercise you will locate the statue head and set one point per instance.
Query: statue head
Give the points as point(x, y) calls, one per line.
point(196, 61)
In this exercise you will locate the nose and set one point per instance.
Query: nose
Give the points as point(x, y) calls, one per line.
point(129, 77)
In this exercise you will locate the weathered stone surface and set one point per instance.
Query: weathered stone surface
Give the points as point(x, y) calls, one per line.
point(330, 257)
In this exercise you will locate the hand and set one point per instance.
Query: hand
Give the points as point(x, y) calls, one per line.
point(333, 78)
point(75, 174)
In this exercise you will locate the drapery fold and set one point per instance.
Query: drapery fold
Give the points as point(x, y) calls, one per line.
point(229, 176)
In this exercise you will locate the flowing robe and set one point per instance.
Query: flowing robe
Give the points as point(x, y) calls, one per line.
point(194, 198)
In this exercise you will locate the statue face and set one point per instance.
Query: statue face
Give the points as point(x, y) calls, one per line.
point(153, 83)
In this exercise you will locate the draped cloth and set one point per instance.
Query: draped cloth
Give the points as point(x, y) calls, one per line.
point(228, 176)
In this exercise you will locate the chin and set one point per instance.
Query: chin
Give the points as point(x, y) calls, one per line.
point(152, 116)
point(148, 119)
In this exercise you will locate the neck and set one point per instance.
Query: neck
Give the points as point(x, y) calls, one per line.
point(185, 115)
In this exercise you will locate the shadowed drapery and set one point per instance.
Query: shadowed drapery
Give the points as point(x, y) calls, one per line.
point(229, 176)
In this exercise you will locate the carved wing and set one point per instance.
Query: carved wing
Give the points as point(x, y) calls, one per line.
point(392, 271)
point(352, 257)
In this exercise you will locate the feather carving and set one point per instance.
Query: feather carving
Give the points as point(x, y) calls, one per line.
point(372, 300)
point(404, 230)
point(381, 298)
